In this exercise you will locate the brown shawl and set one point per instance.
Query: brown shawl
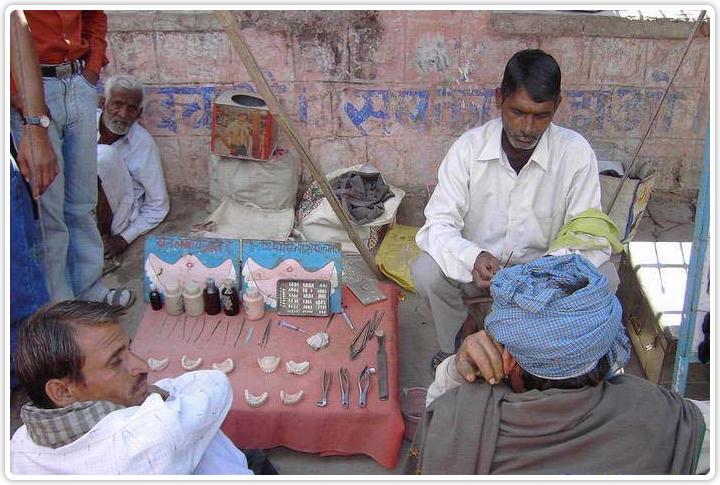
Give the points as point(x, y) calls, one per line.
point(624, 426)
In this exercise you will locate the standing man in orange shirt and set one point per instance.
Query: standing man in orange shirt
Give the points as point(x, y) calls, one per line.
point(70, 46)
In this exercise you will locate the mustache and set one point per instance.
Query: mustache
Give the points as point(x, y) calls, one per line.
point(141, 381)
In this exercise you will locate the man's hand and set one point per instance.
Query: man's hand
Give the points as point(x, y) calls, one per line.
point(36, 159)
point(114, 245)
point(481, 355)
point(90, 77)
point(486, 265)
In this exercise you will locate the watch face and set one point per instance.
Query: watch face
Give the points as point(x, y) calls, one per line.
point(41, 120)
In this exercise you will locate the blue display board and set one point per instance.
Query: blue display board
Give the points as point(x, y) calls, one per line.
point(266, 262)
point(183, 259)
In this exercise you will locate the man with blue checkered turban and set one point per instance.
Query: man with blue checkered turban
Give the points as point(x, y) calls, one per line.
point(555, 345)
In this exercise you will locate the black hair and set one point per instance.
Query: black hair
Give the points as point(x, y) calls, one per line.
point(535, 71)
point(592, 378)
point(48, 348)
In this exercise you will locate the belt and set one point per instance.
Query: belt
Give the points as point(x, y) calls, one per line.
point(63, 70)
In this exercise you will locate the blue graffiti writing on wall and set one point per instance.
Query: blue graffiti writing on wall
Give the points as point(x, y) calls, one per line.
point(190, 105)
point(406, 107)
point(190, 99)
point(379, 111)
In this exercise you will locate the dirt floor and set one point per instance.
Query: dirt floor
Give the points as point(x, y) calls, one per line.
point(668, 220)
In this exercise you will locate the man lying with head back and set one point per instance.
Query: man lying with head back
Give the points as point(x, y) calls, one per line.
point(554, 345)
point(92, 409)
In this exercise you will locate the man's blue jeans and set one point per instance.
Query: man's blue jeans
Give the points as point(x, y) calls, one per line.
point(74, 249)
point(27, 282)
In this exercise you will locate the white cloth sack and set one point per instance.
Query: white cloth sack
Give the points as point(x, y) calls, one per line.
point(236, 220)
point(269, 185)
point(632, 200)
point(321, 224)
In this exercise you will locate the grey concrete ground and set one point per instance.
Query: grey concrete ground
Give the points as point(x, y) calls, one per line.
point(669, 219)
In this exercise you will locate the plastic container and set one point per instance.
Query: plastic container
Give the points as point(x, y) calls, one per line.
point(412, 405)
point(253, 304)
point(194, 301)
point(173, 298)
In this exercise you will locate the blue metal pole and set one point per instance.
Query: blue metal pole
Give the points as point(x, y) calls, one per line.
point(694, 278)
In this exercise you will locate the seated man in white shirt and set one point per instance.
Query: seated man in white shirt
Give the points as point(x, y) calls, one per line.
point(505, 189)
point(132, 197)
point(92, 409)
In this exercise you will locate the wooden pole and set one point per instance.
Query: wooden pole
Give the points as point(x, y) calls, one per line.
point(228, 22)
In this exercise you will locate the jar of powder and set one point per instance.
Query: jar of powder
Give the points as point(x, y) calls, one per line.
point(193, 298)
point(173, 298)
point(253, 304)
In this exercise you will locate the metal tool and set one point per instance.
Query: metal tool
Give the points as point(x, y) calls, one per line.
point(344, 387)
point(266, 334)
point(508, 260)
point(192, 330)
point(364, 384)
point(227, 330)
point(242, 327)
point(215, 329)
point(365, 334)
point(249, 334)
point(382, 366)
point(327, 377)
point(347, 319)
point(175, 325)
point(202, 329)
point(288, 325)
point(163, 324)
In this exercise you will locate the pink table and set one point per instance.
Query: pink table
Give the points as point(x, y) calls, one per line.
point(375, 431)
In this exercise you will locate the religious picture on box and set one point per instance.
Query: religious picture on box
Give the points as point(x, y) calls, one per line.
point(238, 136)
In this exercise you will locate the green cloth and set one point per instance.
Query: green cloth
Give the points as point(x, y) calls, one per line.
point(592, 222)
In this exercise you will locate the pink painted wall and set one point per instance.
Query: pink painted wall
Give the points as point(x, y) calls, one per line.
point(396, 88)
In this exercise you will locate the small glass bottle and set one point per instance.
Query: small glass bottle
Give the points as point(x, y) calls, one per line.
point(173, 298)
point(155, 299)
point(253, 304)
point(229, 298)
point(193, 298)
point(212, 297)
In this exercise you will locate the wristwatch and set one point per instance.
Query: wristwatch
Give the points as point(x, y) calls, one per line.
point(42, 120)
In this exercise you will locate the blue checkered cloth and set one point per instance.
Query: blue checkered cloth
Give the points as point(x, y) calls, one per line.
point(556, 316)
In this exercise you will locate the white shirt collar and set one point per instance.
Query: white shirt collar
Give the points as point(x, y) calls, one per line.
point(540, 155)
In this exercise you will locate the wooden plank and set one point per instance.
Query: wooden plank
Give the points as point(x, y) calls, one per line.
point(228, 22)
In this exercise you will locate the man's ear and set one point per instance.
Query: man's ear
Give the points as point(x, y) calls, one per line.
point(498, 98)
point(101, 101)
point(557, 103)
point(59, 391)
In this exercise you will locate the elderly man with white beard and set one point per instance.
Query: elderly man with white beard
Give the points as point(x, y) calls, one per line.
point(132, 197)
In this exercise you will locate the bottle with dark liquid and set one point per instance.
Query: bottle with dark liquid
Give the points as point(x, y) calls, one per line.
point(212, 297)
point(229, 298)
point(155, 298)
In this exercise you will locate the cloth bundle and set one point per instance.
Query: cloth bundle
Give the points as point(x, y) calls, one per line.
point(556, 316)
point(362, 195)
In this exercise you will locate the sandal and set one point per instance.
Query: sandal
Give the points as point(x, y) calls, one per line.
point(114, 296)
point(437, 359)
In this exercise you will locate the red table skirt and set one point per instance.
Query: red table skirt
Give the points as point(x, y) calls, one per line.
point(375, 431)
